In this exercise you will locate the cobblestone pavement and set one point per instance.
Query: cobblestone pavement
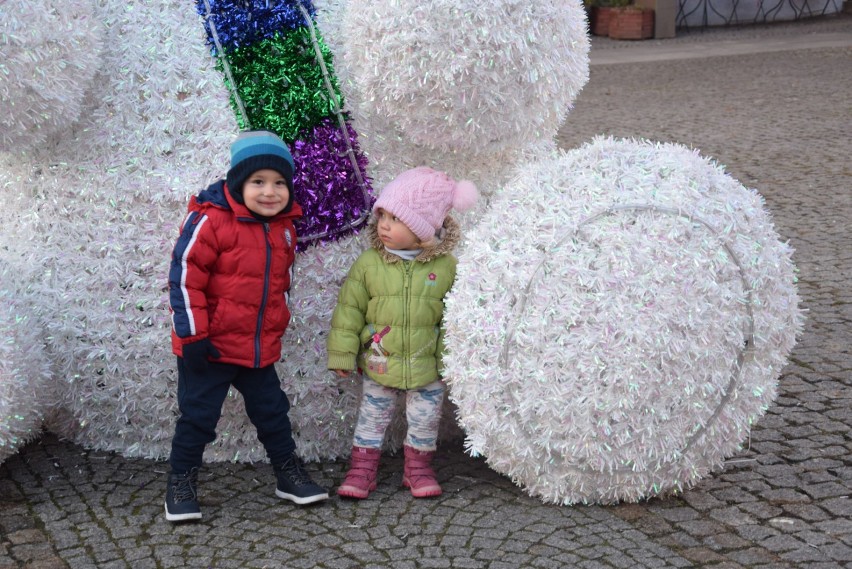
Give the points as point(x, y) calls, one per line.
point(779, 122)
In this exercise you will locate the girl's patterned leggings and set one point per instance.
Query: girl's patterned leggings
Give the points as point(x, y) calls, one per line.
point(422, 411)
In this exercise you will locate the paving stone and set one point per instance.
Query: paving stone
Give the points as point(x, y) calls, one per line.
point(827, 489)
point(752, 556)
point(782, 543)
point(701, 528)
point(755, 533)
point(732, 516)
point(840, 507)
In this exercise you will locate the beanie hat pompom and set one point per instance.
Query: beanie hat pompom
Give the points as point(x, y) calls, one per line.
point(465, 196)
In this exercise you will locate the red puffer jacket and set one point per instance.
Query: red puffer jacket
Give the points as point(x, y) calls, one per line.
point(230, 279)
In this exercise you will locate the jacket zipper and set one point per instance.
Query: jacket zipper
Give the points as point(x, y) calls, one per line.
point(259, 329)
point(406, 344)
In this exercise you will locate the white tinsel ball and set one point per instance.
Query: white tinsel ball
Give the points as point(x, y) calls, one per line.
point(24, 387)
point(49, 55)
point(27, 396)
point(619, 321)
point(22, 378)
point(467, 75)
point(99, 213)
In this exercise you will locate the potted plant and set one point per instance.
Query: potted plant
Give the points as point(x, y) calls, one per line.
point(600, 12)
point(631, 23)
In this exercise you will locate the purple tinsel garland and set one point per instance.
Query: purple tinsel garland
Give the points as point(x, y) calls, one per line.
point(326, 184)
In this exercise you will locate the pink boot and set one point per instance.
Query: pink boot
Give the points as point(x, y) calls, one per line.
point(361, 478)
point(418, 474)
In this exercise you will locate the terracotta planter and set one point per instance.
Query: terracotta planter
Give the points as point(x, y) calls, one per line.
point(600, 20)
point(631, 24)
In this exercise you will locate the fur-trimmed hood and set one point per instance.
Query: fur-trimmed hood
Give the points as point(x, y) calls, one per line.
point(452, 237)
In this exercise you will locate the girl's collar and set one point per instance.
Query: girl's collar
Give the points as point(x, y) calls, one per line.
point(405, 254)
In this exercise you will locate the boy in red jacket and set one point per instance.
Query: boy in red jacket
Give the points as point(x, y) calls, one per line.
point(228, 290)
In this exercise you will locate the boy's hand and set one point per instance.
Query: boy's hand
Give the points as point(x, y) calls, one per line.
point(341, 372)
point(195, 354)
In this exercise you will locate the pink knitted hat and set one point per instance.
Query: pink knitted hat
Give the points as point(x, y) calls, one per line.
point(422, 197)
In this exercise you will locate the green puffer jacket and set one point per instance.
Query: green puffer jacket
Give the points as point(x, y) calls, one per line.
point(399, 302)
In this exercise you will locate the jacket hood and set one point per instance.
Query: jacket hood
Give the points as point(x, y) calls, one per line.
point(216, 195)
point(452, 237)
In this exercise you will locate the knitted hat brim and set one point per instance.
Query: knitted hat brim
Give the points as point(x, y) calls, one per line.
point(419, 226)
point(243, 169)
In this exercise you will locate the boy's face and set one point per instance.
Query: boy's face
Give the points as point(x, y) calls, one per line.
point(394, 233)
point(265, 192)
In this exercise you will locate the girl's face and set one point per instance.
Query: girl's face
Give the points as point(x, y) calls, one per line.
point(394, 234)
point(265, 192)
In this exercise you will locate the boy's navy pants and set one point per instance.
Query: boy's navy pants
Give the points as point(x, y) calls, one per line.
point(200, 398)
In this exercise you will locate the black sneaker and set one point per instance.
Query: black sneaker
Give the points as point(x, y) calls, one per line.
point(295, 484)
point(182, 497)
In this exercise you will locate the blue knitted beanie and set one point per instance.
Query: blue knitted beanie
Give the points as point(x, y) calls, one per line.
point(258, 150)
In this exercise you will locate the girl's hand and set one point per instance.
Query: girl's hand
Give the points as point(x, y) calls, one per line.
point(341, 372)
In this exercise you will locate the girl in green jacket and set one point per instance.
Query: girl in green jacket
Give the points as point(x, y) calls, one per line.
point(387, 323)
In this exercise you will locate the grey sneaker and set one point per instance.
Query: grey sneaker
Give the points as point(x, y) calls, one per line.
point(295, 484)
point(182, 497)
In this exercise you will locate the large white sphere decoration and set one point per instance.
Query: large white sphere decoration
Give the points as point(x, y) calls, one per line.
point(634, 307)
point(390, 151)
point(49, 55)
point(105, 202)
point(467, 75)
point(26, 394)
point(23, 377)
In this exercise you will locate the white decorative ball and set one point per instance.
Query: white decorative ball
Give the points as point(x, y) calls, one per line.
point(466, 75)
point(632, 309)
point(24, 372)
point(49, 55)
point(99, 225)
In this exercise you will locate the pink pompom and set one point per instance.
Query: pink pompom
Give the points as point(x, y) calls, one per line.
point(465, 195)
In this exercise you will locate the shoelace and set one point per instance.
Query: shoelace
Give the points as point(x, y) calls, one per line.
point(184, 491)
point(297, 473)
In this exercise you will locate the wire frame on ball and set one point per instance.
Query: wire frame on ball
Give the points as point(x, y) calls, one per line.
point(746, 348)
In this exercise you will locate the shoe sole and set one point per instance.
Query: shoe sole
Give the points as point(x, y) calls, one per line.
point(355, 493)
point(301, 501)
point(428, 492)
point(181, 517)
